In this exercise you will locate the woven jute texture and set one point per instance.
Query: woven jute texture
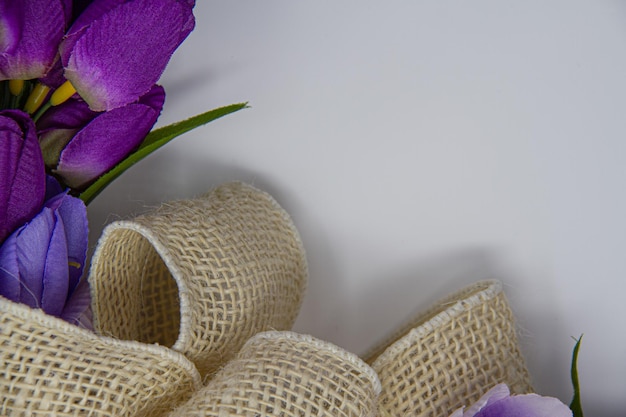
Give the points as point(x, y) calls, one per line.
point(201, 276)
point(287, 374)
point(450, 355)
point(52, 368)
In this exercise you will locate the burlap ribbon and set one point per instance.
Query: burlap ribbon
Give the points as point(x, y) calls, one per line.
point(52, 368)
point(451, 354)
point(289, 375)
point(188, 292)
point(200, 276)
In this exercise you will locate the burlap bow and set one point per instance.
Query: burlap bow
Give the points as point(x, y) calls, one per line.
point(191, 306)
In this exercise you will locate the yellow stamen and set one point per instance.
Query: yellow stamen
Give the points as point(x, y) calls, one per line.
point(36, 98)
point(16, 86)
point(62, 94)
point(74, 264)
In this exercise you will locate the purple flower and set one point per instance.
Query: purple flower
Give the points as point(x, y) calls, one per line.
point(42, 262)
point(116, 50)
point(498, 402)
point(80, 145)
point(30, 33)
point(22, 171)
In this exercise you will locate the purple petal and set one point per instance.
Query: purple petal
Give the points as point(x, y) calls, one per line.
point(73, 114)
point(91, 12)
point(530, 405)
point(55, 277)
point(53, 188)
point(104, 142)
point(33, 241)
point(190, 23)
point(9, 270)
point(59, 125)
point(50, 253)
point(77, 307)
point(54, 78)
point(22, 172)
point(41, 262)
point(73, 216)
point(122, 53)
point(67, 9)
point(496, 393)
point(30, 33)
point(155, 98)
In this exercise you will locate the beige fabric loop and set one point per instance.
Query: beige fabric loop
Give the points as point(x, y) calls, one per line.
point(200, 275)
point(450, 355)
point(52, 368)
point(288, 374)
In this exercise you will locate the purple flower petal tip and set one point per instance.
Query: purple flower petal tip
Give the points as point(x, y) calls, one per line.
point(118, 55)
point(108, 139)
point(30, 32)
point(498, 402)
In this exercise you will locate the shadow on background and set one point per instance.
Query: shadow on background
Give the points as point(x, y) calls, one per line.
point(157, 179)
point(384, 304)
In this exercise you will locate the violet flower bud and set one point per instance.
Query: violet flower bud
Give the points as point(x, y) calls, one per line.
point(41, 263)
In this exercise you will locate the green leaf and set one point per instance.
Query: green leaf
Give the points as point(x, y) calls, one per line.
point(575, 405)
point(153, 141)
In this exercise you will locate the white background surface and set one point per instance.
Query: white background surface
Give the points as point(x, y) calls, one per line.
point(419, 147)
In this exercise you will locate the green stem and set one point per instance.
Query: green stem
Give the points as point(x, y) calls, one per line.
point(41, 111)
point(16, 100)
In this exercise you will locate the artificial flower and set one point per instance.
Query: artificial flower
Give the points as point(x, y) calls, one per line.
point(498, 402)
point(80, 145)
point(116, 50)
point(30, 33)
point(89, 99)
point(41, 263)
point(22, 171)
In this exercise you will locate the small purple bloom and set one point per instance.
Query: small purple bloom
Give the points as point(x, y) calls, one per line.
point(22, 171)
point(498, 402)
point(30, 33)
point(42, 262)
point(80, 145)
point(116, 50)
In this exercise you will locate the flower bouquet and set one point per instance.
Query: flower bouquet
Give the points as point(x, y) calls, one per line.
point(186, 310)
point(78, 98)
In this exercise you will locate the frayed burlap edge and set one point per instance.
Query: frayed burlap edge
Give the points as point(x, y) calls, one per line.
point(434, 317)
point(288, 374)
point(163, 252)
point(51, 367)
point(277, 223)
point(350, 357)
point(450, 355)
